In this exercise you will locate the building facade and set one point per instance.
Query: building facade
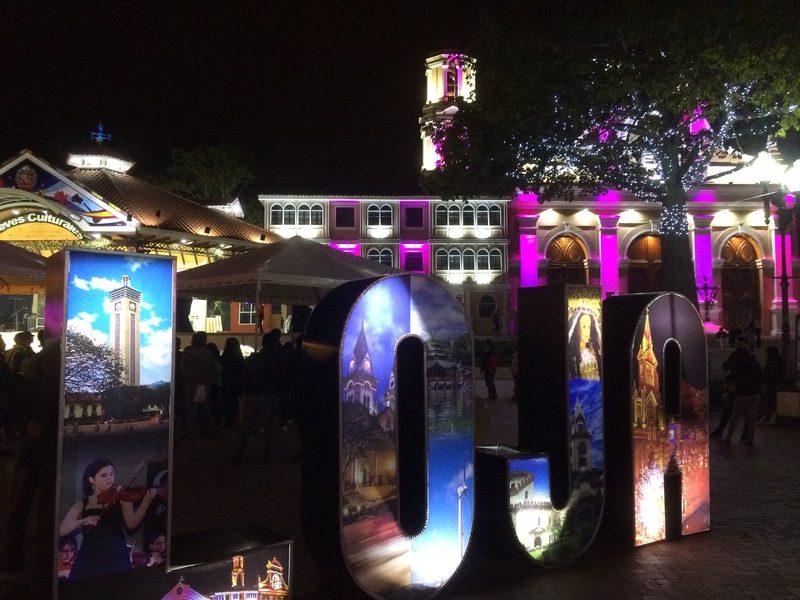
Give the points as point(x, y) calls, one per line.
point(485, 249)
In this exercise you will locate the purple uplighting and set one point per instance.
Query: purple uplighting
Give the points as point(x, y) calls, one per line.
point(353, 248)
point(610, 263)
point(703, 257)
point(528, 261)
point(704, 195)
point(609, 197)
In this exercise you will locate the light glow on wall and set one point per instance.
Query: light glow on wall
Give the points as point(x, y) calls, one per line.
point(609, 255)
point(528, 261)
point(353, 248)
point(379, 233)
point(631, 216)
point(703, 195)
point(585, 217)
point(725, 218)
point(549, 217)
point(423, 248)
point(703, 257)
point(455, 233)
point(609, 197)
point(482, 233)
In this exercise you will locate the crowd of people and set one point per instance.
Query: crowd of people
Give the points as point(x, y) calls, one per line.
point(226, 391)
point(750, 391)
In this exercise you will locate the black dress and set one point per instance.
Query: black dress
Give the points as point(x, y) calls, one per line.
point(104, 549)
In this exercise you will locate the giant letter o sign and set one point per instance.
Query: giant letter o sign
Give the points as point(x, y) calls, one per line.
point(656, 414)
point(389, 365)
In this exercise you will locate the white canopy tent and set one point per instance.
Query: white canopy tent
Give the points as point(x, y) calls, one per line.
point(293, 271)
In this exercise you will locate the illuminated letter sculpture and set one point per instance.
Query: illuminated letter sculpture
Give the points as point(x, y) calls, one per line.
point(556, 496)
point(656, 408)
point(387, 472)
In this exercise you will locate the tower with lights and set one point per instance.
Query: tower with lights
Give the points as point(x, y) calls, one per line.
point(450, 77)
point(125, 304)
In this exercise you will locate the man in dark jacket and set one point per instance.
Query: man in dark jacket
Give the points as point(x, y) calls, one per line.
point(745, 371)
point(264, 380)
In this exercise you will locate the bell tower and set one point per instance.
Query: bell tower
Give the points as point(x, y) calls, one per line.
point(450, 77)
point(125, 302)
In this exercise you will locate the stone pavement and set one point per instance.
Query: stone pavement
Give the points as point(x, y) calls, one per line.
point(751, 551)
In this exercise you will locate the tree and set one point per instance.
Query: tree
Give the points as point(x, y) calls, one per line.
point(631, 99)
point(361, 434)
point(217, 173)
point(90, 367)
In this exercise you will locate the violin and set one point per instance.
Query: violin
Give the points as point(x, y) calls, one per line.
point(127, 494)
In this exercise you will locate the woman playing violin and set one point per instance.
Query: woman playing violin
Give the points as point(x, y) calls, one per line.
point(103, 516)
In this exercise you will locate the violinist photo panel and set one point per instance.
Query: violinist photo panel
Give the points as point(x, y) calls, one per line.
point(117, 337)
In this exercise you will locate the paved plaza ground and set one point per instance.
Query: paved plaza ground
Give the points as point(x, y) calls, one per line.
point(751, 551)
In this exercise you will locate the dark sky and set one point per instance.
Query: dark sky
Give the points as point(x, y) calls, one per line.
point(322, 100)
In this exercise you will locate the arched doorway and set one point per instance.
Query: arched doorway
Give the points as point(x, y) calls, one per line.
point(644, 269)
point(566, 261)
point(741, 300)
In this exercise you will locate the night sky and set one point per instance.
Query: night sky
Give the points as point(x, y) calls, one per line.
point(321, 100)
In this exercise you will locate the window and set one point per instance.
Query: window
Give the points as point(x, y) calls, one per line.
point(487, 306)
point(288, 214)
point(453, 216)
point(495, 216)
point(383, 256)
point(468, 216)
point(276, 215)
point(379, 215)
point(345, 216)
point(452, 82)
point(454, 260)
point(441, 216)
point(304, 214)
point(316, 214)
point(496, 260)
point(414, 217)
point(483, 259)
point(386, 215)
point(468, 258)
point(441, 260)
point(414, 261)
point(247, 313)
point(483, 216)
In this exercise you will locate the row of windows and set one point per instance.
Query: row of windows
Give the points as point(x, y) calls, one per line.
point(468, 215)
point(381, 215)
point(447, 260)
point(289, 214)
point(469, 260)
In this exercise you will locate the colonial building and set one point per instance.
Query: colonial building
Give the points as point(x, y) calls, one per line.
point(485, 249)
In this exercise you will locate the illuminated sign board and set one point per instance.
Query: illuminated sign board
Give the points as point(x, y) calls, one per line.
point(585, 465)
point(113, 315)
point(399, 358)
point(41, 218)
point(657, 417)
point(555, 498)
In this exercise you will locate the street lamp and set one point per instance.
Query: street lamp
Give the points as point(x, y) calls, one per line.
point(708, 295)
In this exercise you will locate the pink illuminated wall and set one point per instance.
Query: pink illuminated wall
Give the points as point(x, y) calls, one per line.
point(609, 254)
point(528, 261)
point(423, 248)
point(353, 248)
point(703, 254)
